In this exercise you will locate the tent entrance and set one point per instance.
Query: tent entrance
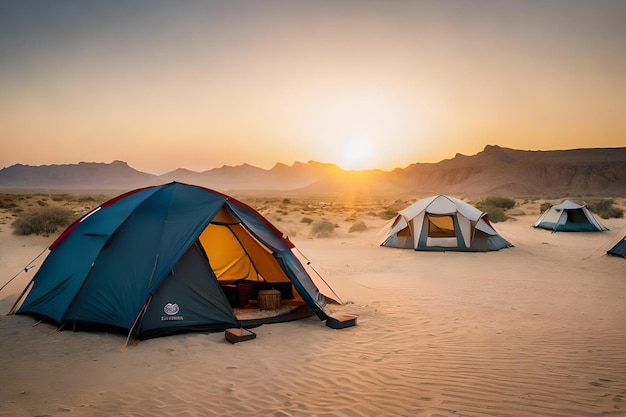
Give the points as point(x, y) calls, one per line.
point(576, 216)
point(441, 231)
point(243, 266)
point(575, 220)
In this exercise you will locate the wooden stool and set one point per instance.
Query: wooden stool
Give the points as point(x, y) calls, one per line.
point(268, 299)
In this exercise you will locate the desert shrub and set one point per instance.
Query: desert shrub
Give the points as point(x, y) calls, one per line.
point(306, 220)
point(7, 203)
point(605, 208)
point(613, 213)
point(42, 203)
point(323, 227)
point(86, 199)
point(496, 214)
point(501, 202)
point(544, 207)
point(60, 197)
point(495, 207)
point(358, 227)
point(43, 221)
point(388, 214)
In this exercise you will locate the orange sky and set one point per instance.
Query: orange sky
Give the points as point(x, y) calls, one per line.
point(363, 84)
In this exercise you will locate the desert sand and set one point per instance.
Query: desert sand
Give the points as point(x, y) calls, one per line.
point(534, 330)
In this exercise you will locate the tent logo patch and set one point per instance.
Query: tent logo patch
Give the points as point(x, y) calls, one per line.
point(171, 308)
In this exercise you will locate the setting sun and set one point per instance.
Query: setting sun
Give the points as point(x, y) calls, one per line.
point(357, 154)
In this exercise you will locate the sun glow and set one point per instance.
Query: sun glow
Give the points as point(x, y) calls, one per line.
point(359, 128)
point(357, 154)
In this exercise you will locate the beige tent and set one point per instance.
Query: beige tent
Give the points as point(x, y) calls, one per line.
point(442, 223)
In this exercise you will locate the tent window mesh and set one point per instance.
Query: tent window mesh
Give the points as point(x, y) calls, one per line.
point(440, 226)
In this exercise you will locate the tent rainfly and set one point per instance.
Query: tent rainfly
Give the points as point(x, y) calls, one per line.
point(569, 217)
point(157, 261)
point(619, 249)
point(441, 223)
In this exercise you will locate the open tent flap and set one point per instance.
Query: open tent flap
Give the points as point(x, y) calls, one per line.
point(235, 255)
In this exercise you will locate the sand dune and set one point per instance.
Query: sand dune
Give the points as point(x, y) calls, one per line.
point(534, 330)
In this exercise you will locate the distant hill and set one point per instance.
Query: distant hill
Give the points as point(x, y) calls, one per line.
point(493, 171)
point(504, 171)
point(82, 176)
point(248, 177)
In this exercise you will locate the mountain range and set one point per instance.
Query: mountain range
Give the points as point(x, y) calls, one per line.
point(493, 171)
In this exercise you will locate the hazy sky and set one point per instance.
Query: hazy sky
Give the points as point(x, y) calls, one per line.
point(200, 84)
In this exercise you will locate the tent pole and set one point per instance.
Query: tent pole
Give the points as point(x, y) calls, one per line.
point(143, 310)
point(58, 329)
point(245, 250)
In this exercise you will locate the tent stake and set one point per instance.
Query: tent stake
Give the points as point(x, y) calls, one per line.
point(58, 329)
point(38, 323)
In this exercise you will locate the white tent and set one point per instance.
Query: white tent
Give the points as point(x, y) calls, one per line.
point(569, 217)
point(441, 223)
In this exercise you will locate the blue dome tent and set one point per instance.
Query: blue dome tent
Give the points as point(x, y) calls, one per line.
point(157, 260)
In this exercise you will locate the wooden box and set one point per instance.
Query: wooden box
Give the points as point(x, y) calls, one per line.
point(268, 299)
point(341, 321)
point(235, 335)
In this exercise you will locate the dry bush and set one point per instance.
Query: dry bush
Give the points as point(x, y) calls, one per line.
point(496, 207)
point(43, 221)
point(604, 207)
point(358, 227)
point(388, 214)
point(323, 228)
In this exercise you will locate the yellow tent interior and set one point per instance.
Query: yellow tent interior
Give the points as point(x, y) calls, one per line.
point(237, 257)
